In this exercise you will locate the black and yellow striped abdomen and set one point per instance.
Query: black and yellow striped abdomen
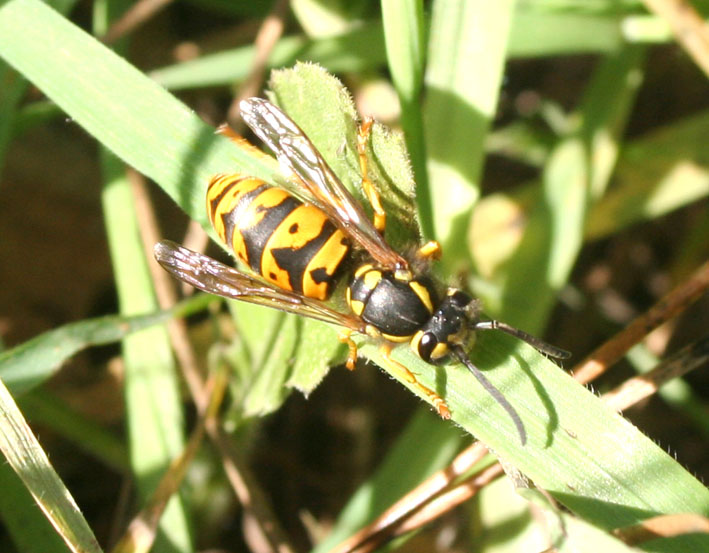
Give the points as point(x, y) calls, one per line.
point(289, 243)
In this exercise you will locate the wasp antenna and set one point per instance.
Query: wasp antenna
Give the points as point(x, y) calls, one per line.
point(494, 392)
point(540, 345)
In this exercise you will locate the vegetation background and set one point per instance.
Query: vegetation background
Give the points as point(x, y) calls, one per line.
point(559, 151)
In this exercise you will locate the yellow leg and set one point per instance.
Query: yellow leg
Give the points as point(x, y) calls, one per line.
point(345, 337)
point(438, 402)
point(430, 250)
point(380, 215)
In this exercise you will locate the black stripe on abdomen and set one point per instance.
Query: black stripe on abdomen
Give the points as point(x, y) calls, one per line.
point(256, 237)
point(296, 261)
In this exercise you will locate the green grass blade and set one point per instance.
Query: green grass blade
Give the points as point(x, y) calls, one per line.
point(657, 173)
point(576, 173)
point(406, 47)
point(404, 33)
point(466, 57)
point(128, 113)
point(28, 460)
point(538, 32)
point(581, 537)
point(12, 88)
point(511, 526)
point(24, 523)
point(356, 50)
point(610, 481)
point(153, 403)
point(35, 361)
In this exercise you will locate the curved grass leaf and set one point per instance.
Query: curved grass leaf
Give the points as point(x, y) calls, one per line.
point(356, 50)
point(27, 458)
point(33, 362)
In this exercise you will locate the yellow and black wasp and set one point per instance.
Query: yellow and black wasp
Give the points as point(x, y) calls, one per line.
point(299, 242)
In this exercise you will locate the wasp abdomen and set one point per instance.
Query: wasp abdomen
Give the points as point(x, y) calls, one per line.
point(289, 243)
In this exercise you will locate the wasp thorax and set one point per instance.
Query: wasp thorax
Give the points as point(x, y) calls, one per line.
point(396, 307)
point(449, 325)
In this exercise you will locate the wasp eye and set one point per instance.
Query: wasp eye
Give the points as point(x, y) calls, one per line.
point(426, 346)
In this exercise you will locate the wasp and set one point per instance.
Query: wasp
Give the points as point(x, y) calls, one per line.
point(298, 241)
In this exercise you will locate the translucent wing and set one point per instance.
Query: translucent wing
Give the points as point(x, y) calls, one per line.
point(297, 155)
point(209, 275)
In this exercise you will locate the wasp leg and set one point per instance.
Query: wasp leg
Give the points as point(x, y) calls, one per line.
point(380, 215)
point(225, 130)
point(430, 250)
point(345, 337)
point(438, 402)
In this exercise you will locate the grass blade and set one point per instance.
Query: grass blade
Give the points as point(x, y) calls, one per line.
point(153, 402)
point(35, 361)
point(462, 85)
point(28, 460)
point(404, 33)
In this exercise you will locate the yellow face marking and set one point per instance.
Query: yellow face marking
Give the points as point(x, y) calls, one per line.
point(424, 295)
point(440, 350)
point(415, 341)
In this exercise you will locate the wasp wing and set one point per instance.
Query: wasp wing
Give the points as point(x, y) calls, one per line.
point(297, 154)
point(209, 275)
